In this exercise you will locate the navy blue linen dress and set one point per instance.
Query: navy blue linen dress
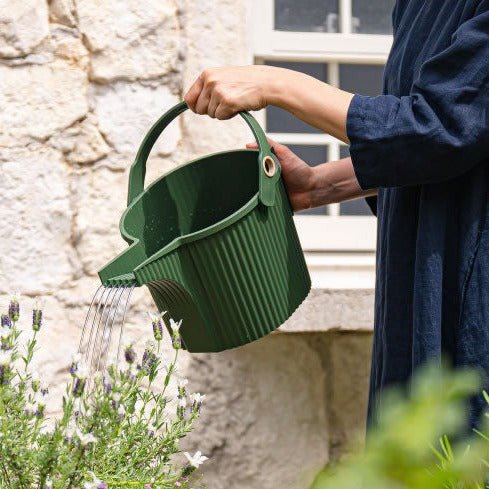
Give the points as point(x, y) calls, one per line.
point(425, 145)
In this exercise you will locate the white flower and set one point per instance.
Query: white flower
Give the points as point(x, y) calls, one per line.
point(155, 317)
point(116, 396)
point(77, 406)
point(49, 484)
point(175, 326)
point(182, 402)
point(139, 405)
point(76, 357)
point(197, 397)
point(86, 439)
point(5, 332)
point(82, 371)
point(196, 460)
point(133, 371)
point(70, 431)
point(121, 411)
point(95, 484)
point(182, 383)
point(40, 399)
point(30, 409)
point(5, 358)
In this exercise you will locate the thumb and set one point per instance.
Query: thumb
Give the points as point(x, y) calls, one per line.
point(252, 145)
point(271, 142)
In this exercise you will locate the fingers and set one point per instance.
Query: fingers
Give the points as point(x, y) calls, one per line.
point(207, 96)
point(213, 105)
point(194, 92)
point(202, 104)
point(225, 111)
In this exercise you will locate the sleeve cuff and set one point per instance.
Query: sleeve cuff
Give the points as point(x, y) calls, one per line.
point(364, 159)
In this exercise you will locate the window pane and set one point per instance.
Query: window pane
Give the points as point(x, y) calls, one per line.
point(362, 79)
point(357, 207)
point(372, 16)
point(312, 155)
point(278, 120)
point(306, 15)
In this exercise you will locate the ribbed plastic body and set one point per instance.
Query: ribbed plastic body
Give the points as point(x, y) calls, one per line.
point(247, 280)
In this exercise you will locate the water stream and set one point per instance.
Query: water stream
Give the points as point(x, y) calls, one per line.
point(104, 321)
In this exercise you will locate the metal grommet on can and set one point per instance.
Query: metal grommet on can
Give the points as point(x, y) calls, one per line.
point(269, 166)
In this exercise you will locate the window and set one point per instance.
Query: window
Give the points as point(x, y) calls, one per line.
point(344, 43)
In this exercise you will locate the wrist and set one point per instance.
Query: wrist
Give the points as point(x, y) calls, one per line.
point(316, 186)
point(279, 83)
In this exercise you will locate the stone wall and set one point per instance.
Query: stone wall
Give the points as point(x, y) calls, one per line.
point(80, 83)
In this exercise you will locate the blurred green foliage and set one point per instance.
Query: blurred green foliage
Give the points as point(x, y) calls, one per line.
point(412, 447)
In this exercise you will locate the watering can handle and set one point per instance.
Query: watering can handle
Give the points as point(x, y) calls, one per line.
point(269, 166)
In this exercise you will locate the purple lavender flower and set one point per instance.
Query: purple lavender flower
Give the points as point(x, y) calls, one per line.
point(149, 359)
point(197, 400)
point(80, 381)
point(181, 407)
point(6, 321)
point(79, 386)
point(176, 338)
point(5, 370)
point(36, 317)
point(14, 308)
point(157, 325)
point(182, 388)
point(151, 430)
point(32, 410)
point(177, 341)
point(35, 382)
point(130, 354)
point(158, 330)
point(74, 364)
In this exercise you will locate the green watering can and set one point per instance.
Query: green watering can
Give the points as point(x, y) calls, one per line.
point(215, 243)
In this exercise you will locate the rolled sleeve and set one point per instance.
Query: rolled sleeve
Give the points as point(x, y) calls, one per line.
point(437, 132)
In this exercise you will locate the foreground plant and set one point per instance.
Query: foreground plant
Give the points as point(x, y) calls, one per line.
point(115, 431)
point(410, 448)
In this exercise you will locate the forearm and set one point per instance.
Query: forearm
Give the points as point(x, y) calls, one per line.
point(335, 182)
point(314, 102)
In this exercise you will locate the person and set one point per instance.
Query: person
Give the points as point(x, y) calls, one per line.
point(420, 155)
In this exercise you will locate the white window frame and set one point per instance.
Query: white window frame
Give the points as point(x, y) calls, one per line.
point(342, 236)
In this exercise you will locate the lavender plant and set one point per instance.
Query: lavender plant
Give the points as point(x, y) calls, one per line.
point(114, 431)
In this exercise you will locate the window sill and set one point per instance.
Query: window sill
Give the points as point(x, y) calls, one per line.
point(326, 310)
point(342, 295)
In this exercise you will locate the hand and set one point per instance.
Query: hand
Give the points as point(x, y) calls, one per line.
point(223, 92)
point(297, 174)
